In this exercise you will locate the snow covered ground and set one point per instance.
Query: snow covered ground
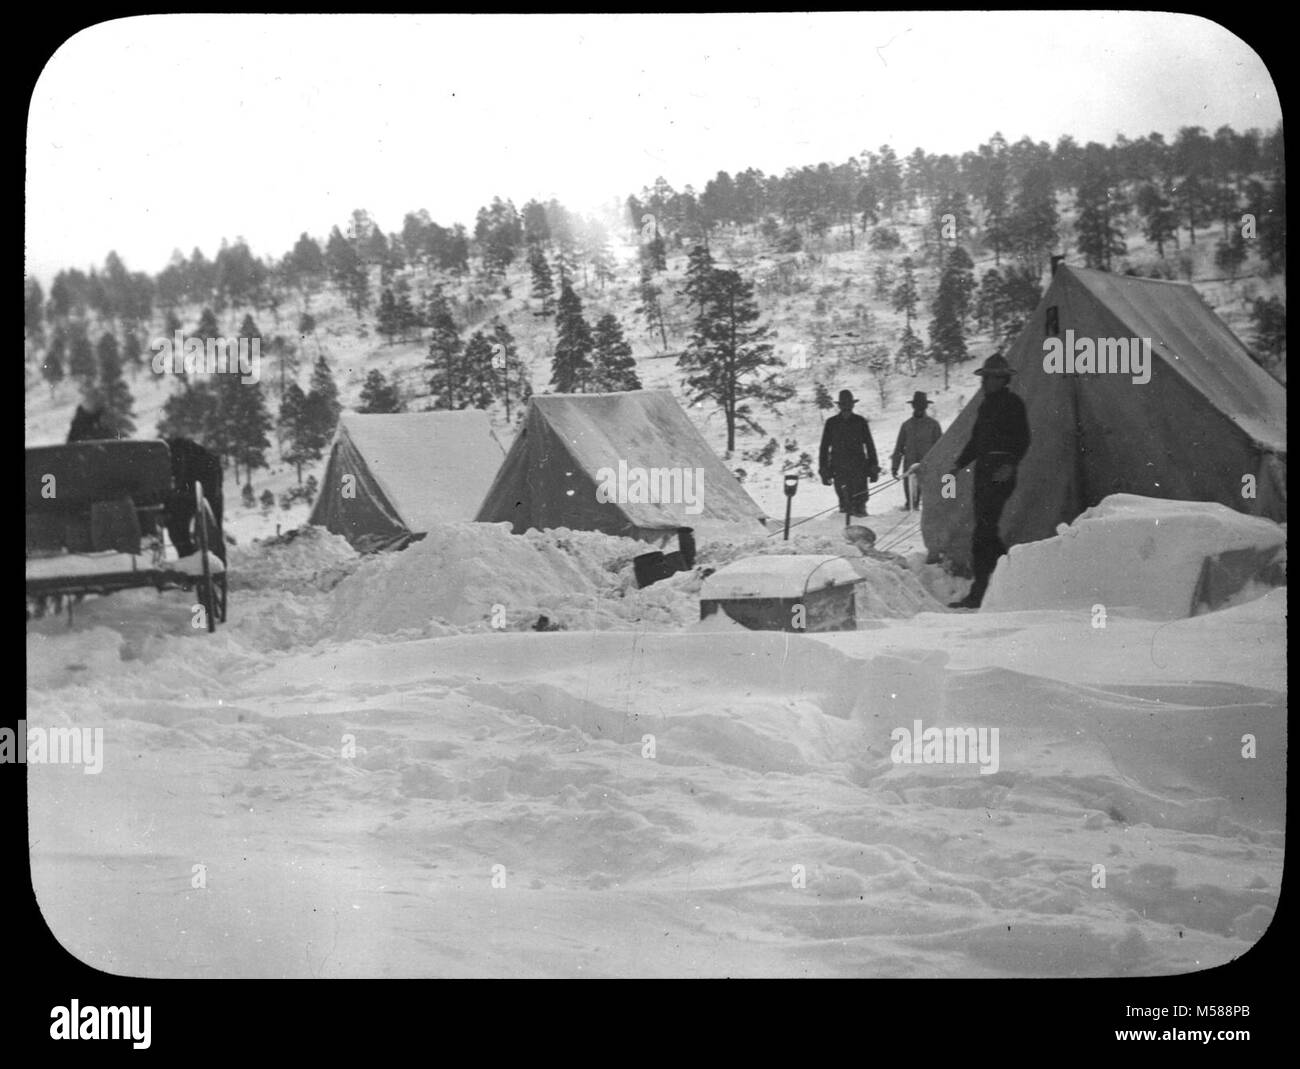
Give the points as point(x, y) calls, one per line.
point(362, 776)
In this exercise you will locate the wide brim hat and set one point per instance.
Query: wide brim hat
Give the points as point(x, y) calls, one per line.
point(846, 398)
point(919, 398)
point(996, 365)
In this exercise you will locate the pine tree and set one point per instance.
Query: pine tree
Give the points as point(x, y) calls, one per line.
point(302, 444)
point(512, 377)
point(822, 397)
point(207, 327)
point(55, 353)
point(650, 309)
point(947, 338)
point(241, 424)
point(994, 195)
point(190, 412)
point(378, 394)
point(249, 329)
point(1031, 226)
point(699, 268)
point(881, 367)
point(1099, 205)
point(1159, 220)
point(348, 271)
point(911, 351)
point(654, 255)
point(388, 322)
point(407, 319)
point(1271, 215)
point(1231, 254)
point(247, 422)
point(571, 364)
point(111, 395)
point(988, 300)
point(479, 374)
point(602, 260)
point(906, 295)
point(322, 407)
point(132, 351)
point(445, 357)
point(951, 303)
point(81, 357)
point(33, 311)
point(543, 282)
point(729, 353)
point(306, 267)
point(1192, 155)
point(884, 281)
point(613, 367)
point(1020, 294)
point(959, 279)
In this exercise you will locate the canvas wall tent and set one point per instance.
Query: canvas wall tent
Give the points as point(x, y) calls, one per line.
point(552, 473)
point(1208, 416)
point(409, 471)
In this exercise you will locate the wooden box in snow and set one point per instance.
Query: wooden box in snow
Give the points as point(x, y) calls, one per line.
point(784, 593)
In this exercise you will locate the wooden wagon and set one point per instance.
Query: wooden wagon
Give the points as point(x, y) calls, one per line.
point(96, 523)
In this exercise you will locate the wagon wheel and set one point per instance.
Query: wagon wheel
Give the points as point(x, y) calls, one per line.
point(222, 580)
point(206, 591)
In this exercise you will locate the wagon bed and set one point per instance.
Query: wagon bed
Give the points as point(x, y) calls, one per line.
point(96, 517)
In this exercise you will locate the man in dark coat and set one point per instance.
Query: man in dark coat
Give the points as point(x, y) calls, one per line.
point(916, 437)
point(998, 442)
point(848, 457)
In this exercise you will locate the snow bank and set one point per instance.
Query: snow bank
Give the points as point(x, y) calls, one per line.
point(480, 576)
point(1131, 553)
point(459, 574)
point(303, 557)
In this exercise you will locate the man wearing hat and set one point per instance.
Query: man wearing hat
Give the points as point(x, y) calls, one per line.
point(848, 457)
point(916, 437)
point(998, 442)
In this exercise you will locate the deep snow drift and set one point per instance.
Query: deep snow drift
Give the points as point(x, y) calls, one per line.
point(361, 775)
point(1137, 553)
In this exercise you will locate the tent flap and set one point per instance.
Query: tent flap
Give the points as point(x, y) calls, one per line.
point(1209, 425)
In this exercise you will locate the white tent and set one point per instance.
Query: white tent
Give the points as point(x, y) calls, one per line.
point(391, 477)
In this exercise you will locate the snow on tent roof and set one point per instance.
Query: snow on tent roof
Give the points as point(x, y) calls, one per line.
point(1208, 417)
point(411, 471)
point(551, 474)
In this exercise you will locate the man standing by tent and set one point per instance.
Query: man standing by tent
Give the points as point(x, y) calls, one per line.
point(916, 437)
point(848, 457)
point(998, 442)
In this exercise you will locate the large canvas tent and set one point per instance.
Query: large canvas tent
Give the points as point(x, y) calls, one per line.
point(1208, 417)
point(552, 476)
point(391, 477)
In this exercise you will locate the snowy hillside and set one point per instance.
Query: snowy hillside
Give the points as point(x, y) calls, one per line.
point(817, 304)
point(394, 766)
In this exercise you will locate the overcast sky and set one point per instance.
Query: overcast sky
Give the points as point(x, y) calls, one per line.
point(161, 132)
